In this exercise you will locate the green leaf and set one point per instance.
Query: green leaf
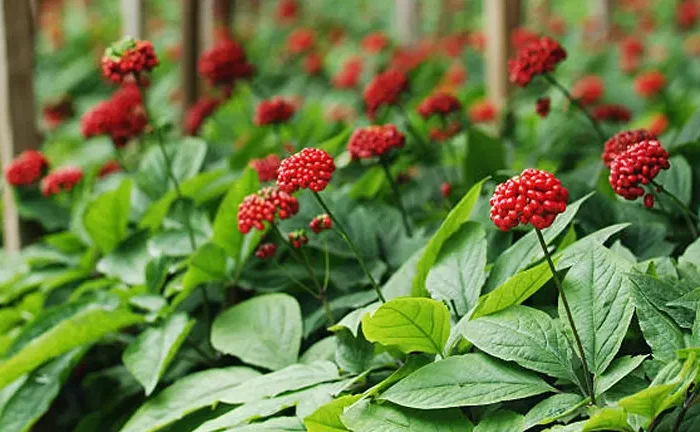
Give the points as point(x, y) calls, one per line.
point(186, 156)
point(149, 355)
point(458, 272)
point(275, 424)
point(501, 421)
point(34, 396)
point(106, 219)
point(485, 156)
point(618, 369)
point(514, 291)
point(207, 264)
point(467, 380)
point(250, 332)
point(85, 327)
point(677, 180)
point(457, 217)
point(366, 416)
point(691, 254)
point(527, 250)
point(409, 324)
point(127, 262)
point(608, 419)
point(187, 395)
point(226, 233)
point(648, 402)
point(552, 409)
point(577, 251)
point(526, 336)
point(327, 418)
point(598, 292)
point(353, 353)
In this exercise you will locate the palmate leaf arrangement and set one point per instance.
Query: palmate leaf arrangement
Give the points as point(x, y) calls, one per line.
point(203, 301)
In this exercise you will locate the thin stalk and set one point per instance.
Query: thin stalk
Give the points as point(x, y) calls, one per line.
point(206, 306)
point(120, 160)
point(569, 316)
point(687, 403)
point(206, 357)
point(578, 105)
point(310, 269)
point(687, 213)
point(397, 195)
point(344, 235)
point(301, 259)
point(324, 289)
point(295, 280)
point(416, 135)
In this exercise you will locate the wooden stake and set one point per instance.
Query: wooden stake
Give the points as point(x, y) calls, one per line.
point(190, 52)
point(18, 130)
point(407, 21)
point(133, 18)
point(604, 18)
point(501, 18)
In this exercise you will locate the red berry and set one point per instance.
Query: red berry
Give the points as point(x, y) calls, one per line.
point(321, 223)
point(349, 75)
point(310, 168)
point(445, 189)
point(374, 42)
point(263, 206)
point(542, 106)
point(612, 113)
point(313, 64)
point(110, 167)
point(63, 179)
point(622, 141)
point(482, 112)
point(266, 251)
point(122, 117)
point(27, 168)
point(648, 200)
point(636, 166)
point(649, 84)
point(385, 89)
point(589, 89)
point(301, 40)
point(298, 238)
point(274, 111)
point(537, 57)
point(374, 141)
point(266, 167)
point(535, 197)
point(128, 58)
point(225, 63)
point(440, 104)
point(198, 113)
point(440, 135)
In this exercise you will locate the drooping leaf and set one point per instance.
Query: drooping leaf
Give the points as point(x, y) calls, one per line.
point(327, 418)
point(618, 369)
point(409, 324)
point(467, 380)
point(551, 409)
point(501, 421)
point(149, 355)
point(608, 419)
point(249, 331)
point(107, 217)
point(128, 261)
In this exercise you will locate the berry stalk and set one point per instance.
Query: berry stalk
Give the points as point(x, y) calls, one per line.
point(344, 235)
point(578, 105)
point(688, 215)
point(397, 196)
point(569, 316)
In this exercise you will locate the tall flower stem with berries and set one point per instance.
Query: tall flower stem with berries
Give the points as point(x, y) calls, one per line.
point(577, 104)
point(344, 235)
point(397, 195)
point(579, 346)
point(688, 214)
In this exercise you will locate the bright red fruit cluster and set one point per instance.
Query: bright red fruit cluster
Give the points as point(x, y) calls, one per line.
point(588, 89)
point(301, 40)
point(287, 11)
point(445, 133)
point(225, 63)
point(638, 165)
point(266, 167)
point(273, 111)
point(649, 84)
point(687, 14)
point(612, 113)
point(374, 42)
point(198, 113)
point(128, 57)
point(320, 223)
point(535, 58)
point(313, 64)
point(266, 251)
point(63, 179)
point(542, 106)
point(440, 104)
point(622, 141)
point(482, 111)
point(349, 75)
point(298, 238)
point(263, 206)
point(535, 197)
point(374, 141)
point(122, 117)
point(310, 168)
point(27, 168)
point(385, 89)
point(56, 113)
point(110, 167)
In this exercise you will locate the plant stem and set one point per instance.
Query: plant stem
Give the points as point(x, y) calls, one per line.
point(687, 403)
point(120, 160)
point(416, 135)
point(578, 105)
point(569, 316)
point(303, 260)
point(344, 234)
point(687, 213)
point(397, 196)
point(295, 280)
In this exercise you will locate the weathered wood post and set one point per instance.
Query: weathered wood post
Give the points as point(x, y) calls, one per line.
point(133, 18)
point(407, 21)
point(501, 18)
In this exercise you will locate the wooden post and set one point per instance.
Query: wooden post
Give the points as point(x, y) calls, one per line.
point(407, 21)
point(502, 17)
point(133, 18)
point(190, 52)
point(18, 131)
point(604, 18)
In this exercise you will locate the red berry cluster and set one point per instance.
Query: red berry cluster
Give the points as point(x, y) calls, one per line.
point(631, 51)
point(658, 124)
point(588, 89)
point(110, 167)
point(273, 111)
point(385, 89)
point(535, 58)
point(122, 117)
point(612, 113)
point(636, 166)
point(687, 14)
point(440, 104)
point(266, 167)
point(622, 141)
point(63, 179)
point(542, 106)
point(313, 64)
point(374, 141)
point(445, 189)
point(198, 113)
point(298, 238)
point(443, 134)
point(287, 11)
point(301, 40)
point(649, 84)
point(266, 251)
point(310, 168)
point(482, 112)
point(263, 206)
point(128, 58)
point(320, 223)
point(27, 168)
point(349, 75)
point(521, 37)
point(374, 42)
point(57, 113)
point(225, 63)
point(534, 197)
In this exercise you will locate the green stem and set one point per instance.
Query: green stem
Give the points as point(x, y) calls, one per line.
point(344, 235)
point(397, 196)
point(569, 316)
point(120, 160)
point(687, 403)
point(687, 213)
point(310, 269)
point(295, 280)
point(416, 135)
point(578, 105)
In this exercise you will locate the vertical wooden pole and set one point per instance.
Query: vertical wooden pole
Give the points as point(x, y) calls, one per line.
point(18, 131)
point(207, 24)
point(190, 52)
point(604, 15)
point(502, 17)
point(133, 18)
point(407, 21)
